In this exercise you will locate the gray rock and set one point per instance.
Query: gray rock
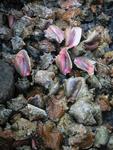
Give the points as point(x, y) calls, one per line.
point(94, 82)
point(4, 114)
point(35, 112)
point(102, 136)
point(38, 10)
point(17, 43)
point(6, 81)
point(17, 103)
point(21, 25)
point(44, 78)
point(23, 128)
point(5, 33)
point(23, 84)
point(110, 143)
point(46, 60)
point(86, 113)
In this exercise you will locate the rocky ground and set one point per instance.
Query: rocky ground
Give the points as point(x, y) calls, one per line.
point(56, 75)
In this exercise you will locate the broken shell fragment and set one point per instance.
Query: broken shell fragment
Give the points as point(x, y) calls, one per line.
point(22, 63)
point(73, 36)
point(63, 61)
point(85, 64)
point(54, 32)
point(69, 86)
point(92, 36)
point(11, 21)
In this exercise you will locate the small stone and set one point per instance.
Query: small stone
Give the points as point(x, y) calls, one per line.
point(104, 102)
point(36, 100)
point(17, 103)
point(22, 85)
point(39, 10)
point(42, 23)
point(4, 114)
point(25, 147)
point(35, 112)
point(46, 46)
point(51, 136)
point(21, 24)
point(5, 33)
point(110, 143)
point(65, 124)
point(56, 108)
point(81, 137)
point(86, 113)
point(7, 83)
point(23, 128)
point(101, 137)
point(44, 78)
point(17, 43)
point(46, 61)
point(7, 134)
point(93, 82)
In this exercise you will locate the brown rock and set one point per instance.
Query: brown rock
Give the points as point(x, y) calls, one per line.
point(51, 136)
point(7, 134)
point(56, 108)
point(104, 103)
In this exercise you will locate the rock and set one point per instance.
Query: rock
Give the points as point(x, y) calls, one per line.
point(110, 143)
point(7, 83)
point(35, 112)
point(78, 134)
point(4, 114)
point(17, 43)
point(22, 84)
point(23, 128)
point(17, 103)
point(46, 61)
point(38, 10)
point(5, 33)
point(81, 137)
point(42, 23)
point(21, 24)
point(44, 78)
point(93, 82)
point(36, 101)
point(46, 46)
point(86, 113)
point(48, 132)
point(25, 147)
point(56, 108)
point(7, 134)
point(101, 137)
point(65, 124)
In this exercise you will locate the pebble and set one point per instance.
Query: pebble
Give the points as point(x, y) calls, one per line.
point(17, 103)
point(86, 113)
point(101, 137)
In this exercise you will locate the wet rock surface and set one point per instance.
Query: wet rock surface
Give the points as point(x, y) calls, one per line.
point(56, 75)
point(7, 81)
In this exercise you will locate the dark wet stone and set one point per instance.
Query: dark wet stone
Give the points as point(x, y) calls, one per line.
point(6, 81)
point(108, 117)
point(4, 114)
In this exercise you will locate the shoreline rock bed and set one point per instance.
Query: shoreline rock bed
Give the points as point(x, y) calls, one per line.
point(56, 75)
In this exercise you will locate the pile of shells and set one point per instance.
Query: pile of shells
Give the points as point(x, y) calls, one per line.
point(56, 75)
